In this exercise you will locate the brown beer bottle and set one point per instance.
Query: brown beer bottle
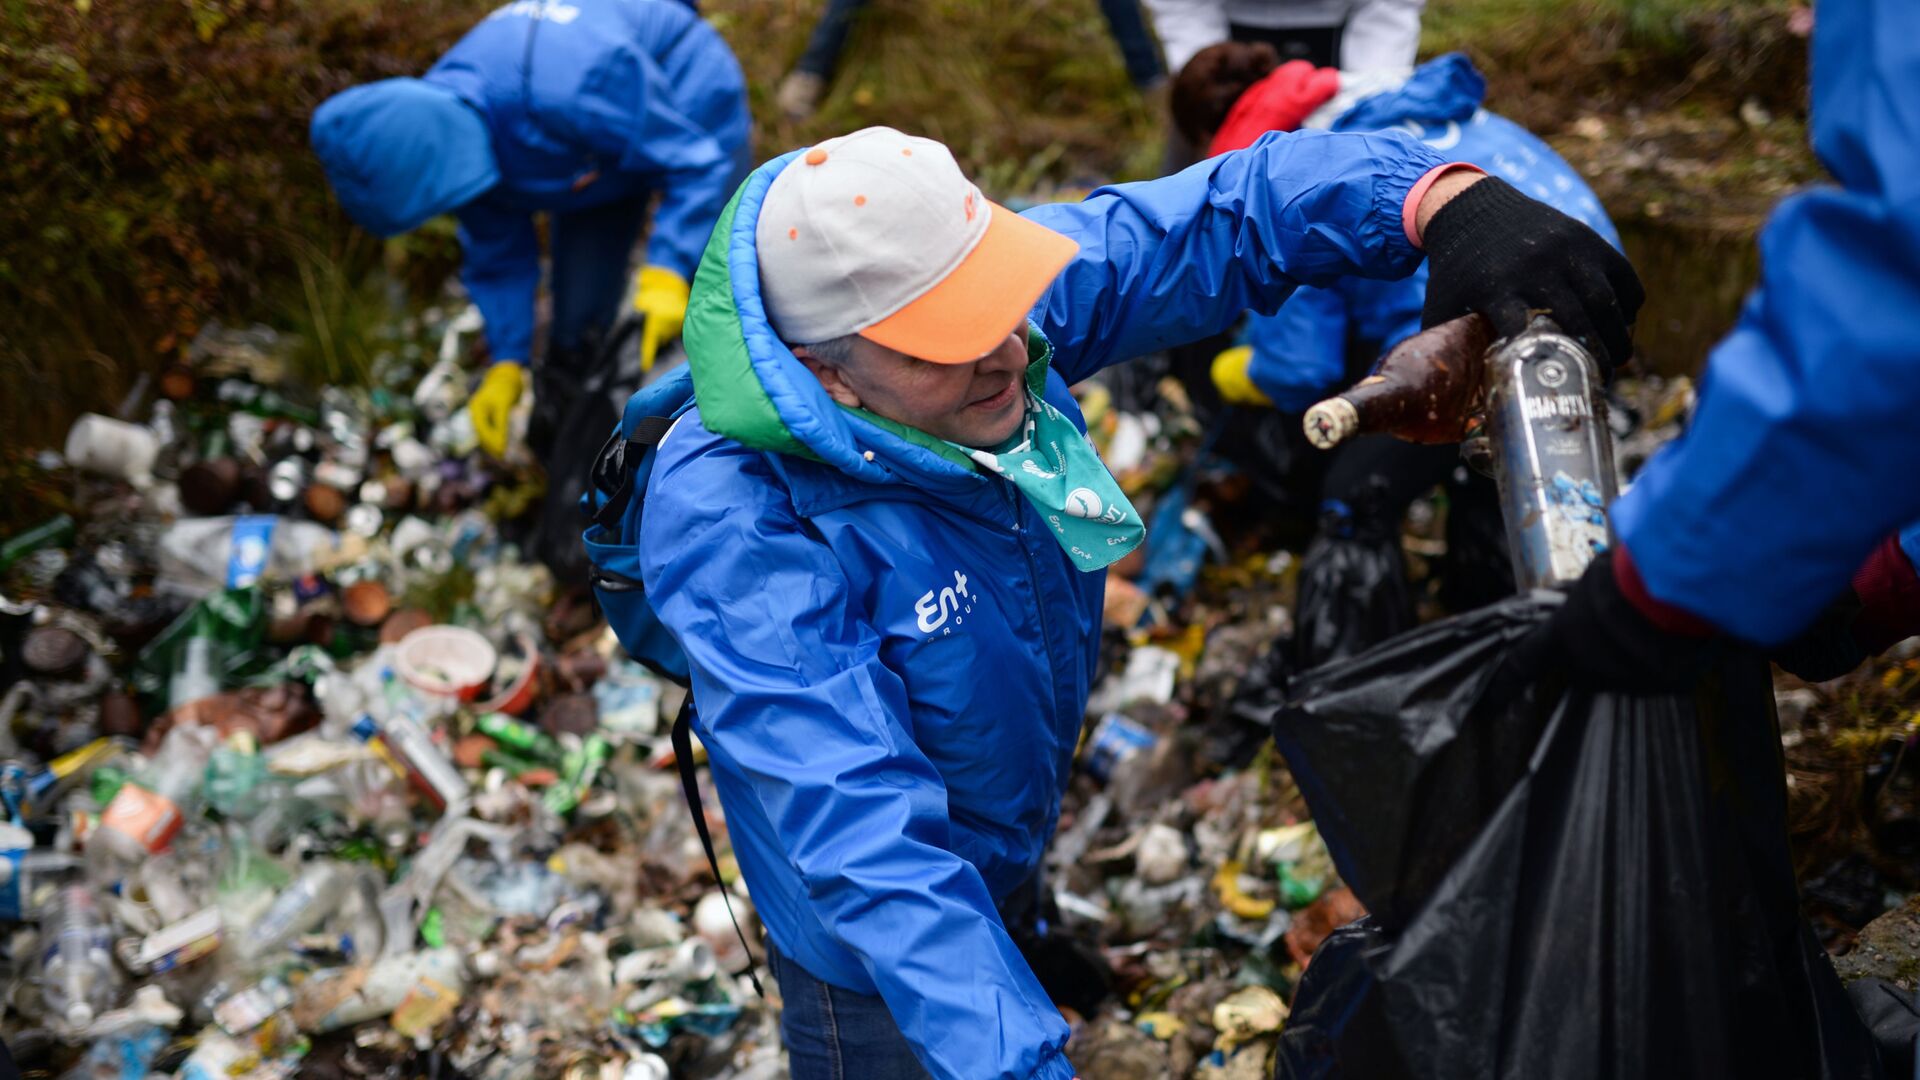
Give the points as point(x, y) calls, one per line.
point(1425, 390)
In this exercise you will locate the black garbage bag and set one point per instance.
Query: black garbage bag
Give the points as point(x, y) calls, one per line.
point(1353, 595)
point(1354, 591)
point(578, 399)
point(1565, 884)
point(1476, 570)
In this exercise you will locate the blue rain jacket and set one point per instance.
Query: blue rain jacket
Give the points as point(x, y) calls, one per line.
point(1300, 353)
point(584, 103)
point(890, 654)
point(1800, 455)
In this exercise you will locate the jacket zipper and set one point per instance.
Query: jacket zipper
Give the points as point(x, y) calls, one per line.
point(1039, 602)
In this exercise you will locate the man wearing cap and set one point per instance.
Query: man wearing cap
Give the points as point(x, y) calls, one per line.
point(880, 535)
point(582, 110)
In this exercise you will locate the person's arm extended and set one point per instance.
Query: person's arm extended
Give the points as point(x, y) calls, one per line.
point(797, 709)
point(1167, 261)
point(501, 270)
point(629, 111)
point(1800, 456)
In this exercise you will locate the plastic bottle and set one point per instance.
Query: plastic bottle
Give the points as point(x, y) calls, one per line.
point(78, 980)
point(54, 532)
point(301, 906)
point(196, 671)
point(236, 775)
point(199, 555)
point(428, 766)
point(148, 810)
point(1425, 390)
point(25, 870)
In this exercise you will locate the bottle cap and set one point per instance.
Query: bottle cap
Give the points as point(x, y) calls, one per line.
point(1331, 422)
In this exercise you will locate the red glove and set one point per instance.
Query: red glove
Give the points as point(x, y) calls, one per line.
point(1882, 607)
point(1889, 592)
point(1280, 102)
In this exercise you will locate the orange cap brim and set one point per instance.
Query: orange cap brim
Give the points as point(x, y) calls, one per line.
point(968, 313)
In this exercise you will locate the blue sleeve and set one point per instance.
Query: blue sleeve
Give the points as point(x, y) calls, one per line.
point(689, 205)
point(501, 270)
point(1800, 456)
point(794, 697)
point(1300, 351)
point(630, 111)
point(1910, 543)
point(1168, 261)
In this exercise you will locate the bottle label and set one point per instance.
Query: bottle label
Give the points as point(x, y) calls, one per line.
point(150, 820)
point(252, 545)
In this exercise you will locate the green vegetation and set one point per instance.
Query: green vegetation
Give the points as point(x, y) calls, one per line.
point(158, 173)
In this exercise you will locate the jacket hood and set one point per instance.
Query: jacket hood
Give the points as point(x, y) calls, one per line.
point(752, 389)
point(1447, 88)
point(400, 151)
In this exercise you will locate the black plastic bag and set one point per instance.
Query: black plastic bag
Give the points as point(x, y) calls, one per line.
point(1353, 595)
point(578, 399)
point(1566, 885)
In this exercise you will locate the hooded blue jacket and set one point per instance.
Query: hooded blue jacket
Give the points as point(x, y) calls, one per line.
point(890, 654)
point(1300, 353)
point(1800, 455)
point(546, 105)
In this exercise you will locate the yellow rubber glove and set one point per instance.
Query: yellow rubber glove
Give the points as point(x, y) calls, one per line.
point(660, 295)
point(492, 404)
point(1231, 378)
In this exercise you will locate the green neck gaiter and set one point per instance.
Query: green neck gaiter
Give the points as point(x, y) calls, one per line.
point(1061, 474)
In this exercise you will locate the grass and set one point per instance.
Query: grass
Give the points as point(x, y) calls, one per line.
point(1024, 91)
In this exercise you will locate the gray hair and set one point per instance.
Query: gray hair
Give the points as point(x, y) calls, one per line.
point(834, 352)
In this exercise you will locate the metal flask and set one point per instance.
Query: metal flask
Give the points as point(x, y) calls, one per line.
point(1552, 454)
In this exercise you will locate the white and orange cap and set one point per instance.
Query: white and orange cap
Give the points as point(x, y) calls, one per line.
point(879, 233)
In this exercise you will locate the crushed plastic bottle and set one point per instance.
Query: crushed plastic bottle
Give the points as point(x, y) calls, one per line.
point(201, 555)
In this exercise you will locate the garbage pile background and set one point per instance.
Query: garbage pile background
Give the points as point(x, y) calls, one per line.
point(308, 770)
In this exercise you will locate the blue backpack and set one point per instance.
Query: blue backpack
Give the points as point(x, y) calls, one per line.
point(615, 496)
point(613, 503)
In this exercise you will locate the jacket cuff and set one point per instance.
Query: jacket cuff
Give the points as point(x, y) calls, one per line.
point(1054, 1066)
point(1889, 592)
point(1409, 209)
point(1665, 616)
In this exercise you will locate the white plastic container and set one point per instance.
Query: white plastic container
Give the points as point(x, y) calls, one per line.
point(109, 447)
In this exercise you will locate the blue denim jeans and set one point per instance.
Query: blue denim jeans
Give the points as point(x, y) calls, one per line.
point(835, 1034)
point(591, 251)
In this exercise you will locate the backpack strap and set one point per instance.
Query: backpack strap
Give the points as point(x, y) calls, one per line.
point(689, 783)
point(616, 467)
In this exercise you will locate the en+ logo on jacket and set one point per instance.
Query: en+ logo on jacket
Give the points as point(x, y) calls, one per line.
point(951, 602)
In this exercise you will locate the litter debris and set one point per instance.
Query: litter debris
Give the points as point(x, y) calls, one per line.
point(301, 761)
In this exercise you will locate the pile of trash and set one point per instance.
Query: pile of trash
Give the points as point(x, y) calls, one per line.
point(307, 764)
point(306, 767)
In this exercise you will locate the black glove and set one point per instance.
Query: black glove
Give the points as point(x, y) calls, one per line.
point(1600, 640)
point(1495, 251)
point(1826, 649)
